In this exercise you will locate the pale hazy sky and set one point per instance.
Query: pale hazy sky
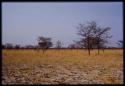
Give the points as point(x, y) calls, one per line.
point(22, 23)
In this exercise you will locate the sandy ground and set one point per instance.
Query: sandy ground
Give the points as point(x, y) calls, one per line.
point(62, 74)
point(96, 71)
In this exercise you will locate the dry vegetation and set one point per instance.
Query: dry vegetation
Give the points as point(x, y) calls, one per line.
point(62, 67)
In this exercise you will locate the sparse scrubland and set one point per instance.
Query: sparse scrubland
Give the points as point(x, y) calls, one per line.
point(64, 66)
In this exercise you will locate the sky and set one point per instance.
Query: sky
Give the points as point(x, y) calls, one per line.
point(24, 22)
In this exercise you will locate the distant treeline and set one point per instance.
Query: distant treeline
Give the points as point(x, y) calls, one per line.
point(58, 48)
point(92, 36)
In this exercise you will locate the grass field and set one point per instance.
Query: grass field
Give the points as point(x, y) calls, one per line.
point(62, 67)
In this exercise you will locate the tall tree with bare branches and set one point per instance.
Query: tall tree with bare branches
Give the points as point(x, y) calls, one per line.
point(93, 36)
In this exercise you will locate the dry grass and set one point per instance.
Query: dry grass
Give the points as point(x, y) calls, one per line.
point(62, 67)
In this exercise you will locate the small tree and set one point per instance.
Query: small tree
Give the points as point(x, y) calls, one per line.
point(9, 46)
point(44, 43)
point(120, 44)
point(3, 46)
point(29, 46)
point(71, 46)
point(58, 44)
point(17, 47)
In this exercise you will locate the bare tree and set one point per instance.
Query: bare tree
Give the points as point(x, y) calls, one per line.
point(44, 43)
point(29, 46)
point(86, 31)
point(77, 44)
point(17, 47)
point(93, 36)
point(102, 36)
point(3, 46)
point(120, 44)
point(8, 45)
point(71, 46)
point(58, 44)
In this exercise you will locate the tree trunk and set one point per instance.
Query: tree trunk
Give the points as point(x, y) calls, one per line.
point(103, 50)
point(89, 51)
point(98, 51)
point(88, 46)
point(37, 49)
point(43, 51)
point(98, 45)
